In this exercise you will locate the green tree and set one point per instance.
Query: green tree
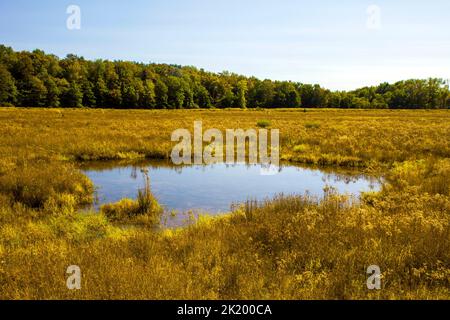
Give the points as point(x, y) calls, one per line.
point(313, 96)
point(175, 94)
point(87, 89)
point(53, 92)
point(8, 90)
point(161, 94)
point(39, 79)
point(379, 102)
point(286, 96)
point(148, 98)
point(113, 94)
point(33, 92)
point(73, 96)
point(101, 92)
point(188, 93)
point(242, 91)
point(262, 94)
point(201, 96)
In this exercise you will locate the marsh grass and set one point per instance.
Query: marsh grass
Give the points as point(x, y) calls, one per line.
point(144, 210)
point(359, 138)
point(35, 183)
point(289, 247)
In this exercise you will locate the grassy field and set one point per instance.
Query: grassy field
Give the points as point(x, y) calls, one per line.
point(287, 248)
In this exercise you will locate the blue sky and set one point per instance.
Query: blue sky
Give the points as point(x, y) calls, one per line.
point(325, 42)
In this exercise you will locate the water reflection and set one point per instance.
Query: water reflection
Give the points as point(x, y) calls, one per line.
point(213, 188)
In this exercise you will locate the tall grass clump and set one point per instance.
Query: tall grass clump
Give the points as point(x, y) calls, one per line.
point(263, 124)
point(145, 209)
point(33, 184)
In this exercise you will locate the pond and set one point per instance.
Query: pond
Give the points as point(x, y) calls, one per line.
point(214, 188)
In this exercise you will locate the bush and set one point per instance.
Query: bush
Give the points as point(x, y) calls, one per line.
point(312, 125)
point(263, 124)
point(301, 148)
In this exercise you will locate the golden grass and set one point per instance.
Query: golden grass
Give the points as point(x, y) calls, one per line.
point(287, 248)
point(338, 137)
point(144, 210)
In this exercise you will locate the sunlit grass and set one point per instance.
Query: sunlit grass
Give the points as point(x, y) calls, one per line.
point(286, 248)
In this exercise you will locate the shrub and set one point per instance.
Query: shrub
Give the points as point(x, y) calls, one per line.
point(301, 148)
point(312, 125)
point(263, 124)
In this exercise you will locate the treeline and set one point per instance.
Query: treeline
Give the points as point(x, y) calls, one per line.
point(36, 79)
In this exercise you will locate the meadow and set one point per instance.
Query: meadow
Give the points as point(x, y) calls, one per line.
point(290, 247)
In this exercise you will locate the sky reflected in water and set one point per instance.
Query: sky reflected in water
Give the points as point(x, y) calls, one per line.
point(213, 188)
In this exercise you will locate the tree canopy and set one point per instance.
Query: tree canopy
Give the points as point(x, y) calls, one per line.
point(36, 79)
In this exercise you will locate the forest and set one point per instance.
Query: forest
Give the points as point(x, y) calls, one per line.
point(37, 79)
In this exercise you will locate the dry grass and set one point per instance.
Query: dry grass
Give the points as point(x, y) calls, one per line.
point(337, 137)
point(287, 248)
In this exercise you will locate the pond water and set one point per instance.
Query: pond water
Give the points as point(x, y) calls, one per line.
point(214, 188)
